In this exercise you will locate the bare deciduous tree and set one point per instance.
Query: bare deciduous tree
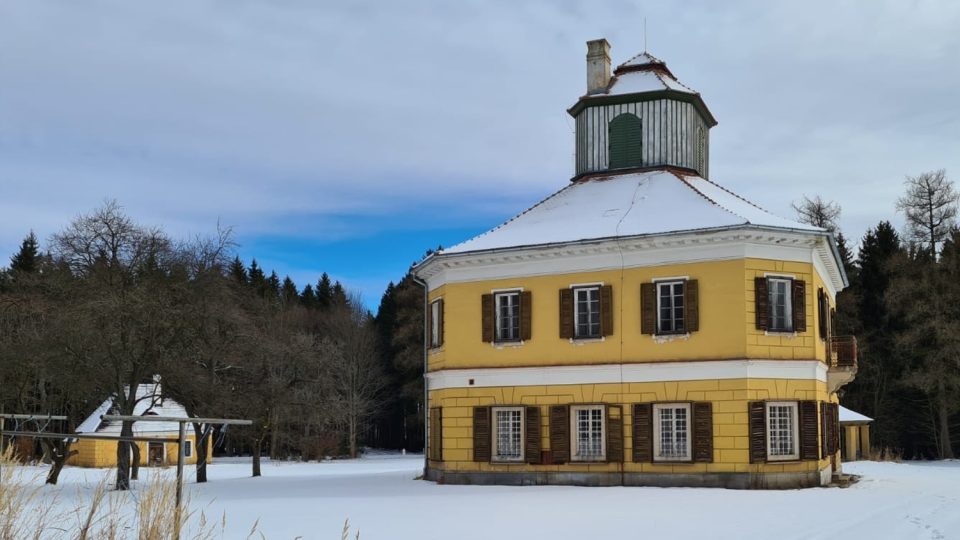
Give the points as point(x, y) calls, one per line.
point(818, 212)
point(930, 206)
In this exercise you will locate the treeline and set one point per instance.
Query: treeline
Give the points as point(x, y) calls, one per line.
point(903, 305)
point(112, 304)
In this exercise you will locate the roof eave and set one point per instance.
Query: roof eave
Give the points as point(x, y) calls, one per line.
point(607, 99)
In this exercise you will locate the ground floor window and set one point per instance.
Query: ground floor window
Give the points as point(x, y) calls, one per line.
point(187, 448)
point(671, 427)
point(782, 431)
point(588, 432)
point(508, 433)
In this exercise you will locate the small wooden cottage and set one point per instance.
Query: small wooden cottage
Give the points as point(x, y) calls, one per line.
point(159, 453)
point(855, 443)
point(641, 326)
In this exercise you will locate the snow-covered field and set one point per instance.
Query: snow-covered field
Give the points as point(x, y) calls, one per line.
point(383, 501)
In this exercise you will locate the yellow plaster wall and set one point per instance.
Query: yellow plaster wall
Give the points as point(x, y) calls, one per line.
point(726, 332)
point(730, 421)
point(103, 453)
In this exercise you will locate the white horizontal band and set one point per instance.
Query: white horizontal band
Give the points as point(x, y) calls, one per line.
point(628, 373)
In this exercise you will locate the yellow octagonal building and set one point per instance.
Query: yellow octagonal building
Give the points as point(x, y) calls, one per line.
point(641, 326)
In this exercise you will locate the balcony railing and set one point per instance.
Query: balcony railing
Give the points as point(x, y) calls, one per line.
point(843, 351)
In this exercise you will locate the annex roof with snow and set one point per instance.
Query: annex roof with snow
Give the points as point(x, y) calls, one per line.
point(150, 401)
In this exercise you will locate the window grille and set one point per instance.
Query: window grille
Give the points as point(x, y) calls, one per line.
point(588, 433)
point(508, 316)
point(671, 307)
point(508, 423)
point(587, 312)
point(672, 432)
point(782, 431)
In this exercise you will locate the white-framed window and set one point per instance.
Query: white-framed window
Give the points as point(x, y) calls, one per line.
point(781, 305)
point(586, 312)
point(783, 431)
point(435, 315)
point(588, 432)
point(187, 449)
point(507, 433)
point(671, 428)
point(508, 315)
point(670, 307)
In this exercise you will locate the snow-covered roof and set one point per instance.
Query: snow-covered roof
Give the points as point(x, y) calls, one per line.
point(150, 401)
point(624, 205)
point(846, 415)
point(643, 73)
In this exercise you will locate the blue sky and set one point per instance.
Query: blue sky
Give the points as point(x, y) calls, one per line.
point(349, 137)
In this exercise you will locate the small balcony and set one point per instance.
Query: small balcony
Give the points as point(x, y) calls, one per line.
point(841, 361)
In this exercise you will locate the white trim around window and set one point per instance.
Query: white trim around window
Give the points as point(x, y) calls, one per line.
point(586, 325)
point(675, 314)
point(588, 433)
point(783, 431)
point(435, 324)
point(508, 436)
point(672, 434)
point(506, 316)
point(780, 316)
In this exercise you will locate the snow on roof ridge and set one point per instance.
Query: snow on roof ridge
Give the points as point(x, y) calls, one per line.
point(748, 201)
point(654, 59)
point(514, 218)
point(676, 80)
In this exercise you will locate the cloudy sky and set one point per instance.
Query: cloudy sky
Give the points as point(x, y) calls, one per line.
point(350, 136)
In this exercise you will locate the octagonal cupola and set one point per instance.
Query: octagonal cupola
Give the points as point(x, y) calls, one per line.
point(638, 117)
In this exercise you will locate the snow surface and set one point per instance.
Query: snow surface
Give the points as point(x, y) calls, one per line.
point(626, 205)
point(846, 415)
point(383, 500)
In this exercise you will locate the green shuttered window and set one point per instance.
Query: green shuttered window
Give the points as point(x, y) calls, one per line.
point(626, 141)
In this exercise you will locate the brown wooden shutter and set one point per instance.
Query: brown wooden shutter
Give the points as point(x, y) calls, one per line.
point(566, 313)
point(824, 429)
point(526, 315)
point(809, 449)
point(823, 314)
point(691, 298)
point(761, 302)
point(614, 433)
point(606, 310)
point(488, 315)
point(799, 306)
point(481, 434)
point(560, 433)
point(758, 431)
point(835, 431)
point(436, 433)
point(642, 432)
point(648, 308)
point(703, 432)
point(440, 326)
point(531, 432)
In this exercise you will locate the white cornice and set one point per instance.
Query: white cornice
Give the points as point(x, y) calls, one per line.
point(634, 252)
point(628, 373)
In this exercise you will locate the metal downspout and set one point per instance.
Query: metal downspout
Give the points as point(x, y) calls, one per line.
point(426, 395)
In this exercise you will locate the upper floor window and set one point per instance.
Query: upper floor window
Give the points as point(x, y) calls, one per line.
point(625, 136)
point(670, 307)
point(508, 315)
point(586, 312)
point(436, 323)
point(781, 305)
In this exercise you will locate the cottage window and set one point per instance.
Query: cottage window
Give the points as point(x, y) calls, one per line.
point(436, 312)
point(671, 431)
point(588, 433)
point(670, 307)
point(187, 449)
point(781, 305)
point(508, 316)
point(782, 431)
point(587, 312)
point(508, 433)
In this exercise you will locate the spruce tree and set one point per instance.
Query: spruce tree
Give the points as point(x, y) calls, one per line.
point(273, 284)
point(324, 292)
point(27, 259)
point(339, 296)
point(308, 298)
point(288, 291)
point(257, 279)
point(237, 270)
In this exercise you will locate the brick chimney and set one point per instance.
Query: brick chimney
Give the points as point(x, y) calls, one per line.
point(598, 66)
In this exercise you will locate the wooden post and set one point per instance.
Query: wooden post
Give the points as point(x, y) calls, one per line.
point(177, 512)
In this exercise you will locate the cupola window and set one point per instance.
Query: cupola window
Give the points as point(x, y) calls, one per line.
point(626, 146)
